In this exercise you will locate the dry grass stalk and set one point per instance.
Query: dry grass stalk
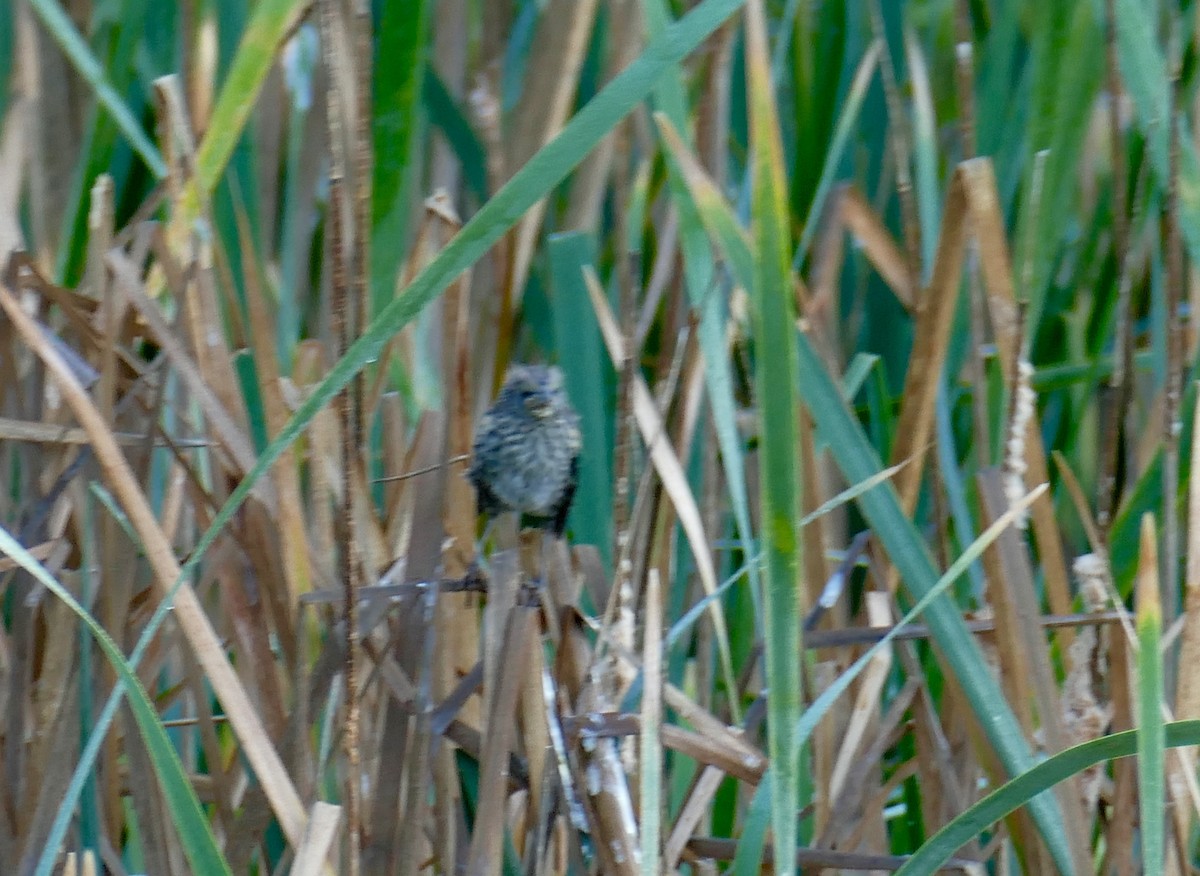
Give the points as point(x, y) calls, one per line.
point(996, 267)
point(1025, 660)
point(926, 363)
point(192, 620)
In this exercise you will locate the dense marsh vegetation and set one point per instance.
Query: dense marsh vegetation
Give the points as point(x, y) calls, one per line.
point(878, 317)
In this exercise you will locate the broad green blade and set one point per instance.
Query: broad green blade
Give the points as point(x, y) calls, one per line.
point(774, 320)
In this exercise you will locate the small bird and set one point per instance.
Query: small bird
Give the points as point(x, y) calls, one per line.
point(526, 452)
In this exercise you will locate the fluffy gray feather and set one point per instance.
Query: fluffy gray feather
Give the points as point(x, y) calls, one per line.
point(527, 445)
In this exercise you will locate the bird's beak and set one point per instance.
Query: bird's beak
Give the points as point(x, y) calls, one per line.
point(538, 408)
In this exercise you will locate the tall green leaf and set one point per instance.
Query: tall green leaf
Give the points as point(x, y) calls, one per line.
point(774, 319)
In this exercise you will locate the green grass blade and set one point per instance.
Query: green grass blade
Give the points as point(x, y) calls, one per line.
point(924, 128)
point(62, 30)
point(837, 148)
point(583, 362)
point(748, 859)
point(89, 802)
point(195, 834)
point(1067, 74)
point(1145, 73)
point(271, 22)
point(1027, 786)
point(774, 321)
point(446, 114)
point(7, 41)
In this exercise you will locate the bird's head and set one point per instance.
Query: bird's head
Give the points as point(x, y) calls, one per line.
point(536, 387)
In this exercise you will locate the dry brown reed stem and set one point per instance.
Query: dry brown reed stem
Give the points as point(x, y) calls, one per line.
point(1120, 831)
point(515, 641)
point(996, 269)
point(210, 653)
point(345, 271)
point(964, 56)
point(879, 247)
point(934, 316)
point(1026, 672)
point(1187, 693)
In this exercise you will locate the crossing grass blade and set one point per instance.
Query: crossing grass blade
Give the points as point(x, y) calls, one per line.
point(1027, 786)
point(195, 833)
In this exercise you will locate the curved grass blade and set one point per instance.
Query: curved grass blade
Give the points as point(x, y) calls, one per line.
point(1027, 786)
point(195, 834)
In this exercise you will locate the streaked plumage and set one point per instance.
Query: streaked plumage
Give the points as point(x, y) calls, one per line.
point(526, 453)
